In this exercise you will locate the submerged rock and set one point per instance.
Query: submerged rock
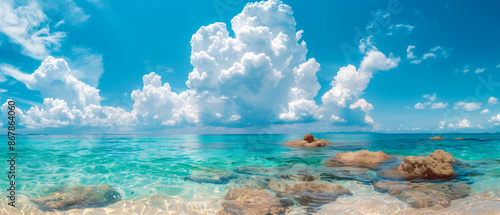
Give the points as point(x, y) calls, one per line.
point(299, 175)
point(308, 141)
point(391, 173)
point(314, 194)
point(79, 197)
point(278, 185)
point(361, 158)
point(434, 166)
point(349, 173)
point(255, 170)
point(212, 179)
point(436, 138)
point(423, 195)
point(253, 201)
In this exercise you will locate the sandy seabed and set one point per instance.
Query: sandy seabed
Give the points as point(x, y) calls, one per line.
point(365, 200)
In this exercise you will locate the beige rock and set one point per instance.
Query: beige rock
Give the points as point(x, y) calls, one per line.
point(442, 156)
point(362, 158)
point(309, 138)
point(253, 201)
point(314, 194)
point(435, 166)
point(304, 143)
point(436, 138)
point(459, 138)
point(423, 195)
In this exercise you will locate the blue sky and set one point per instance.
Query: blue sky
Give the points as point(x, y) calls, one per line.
point(384, 66)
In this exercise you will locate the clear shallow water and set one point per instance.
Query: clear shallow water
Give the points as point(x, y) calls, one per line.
point(145, 169)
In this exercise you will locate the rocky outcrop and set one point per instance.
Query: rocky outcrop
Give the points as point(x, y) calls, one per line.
point(434, 166)
point(308, 141)
point(459, 138)
point(314, 194)
point(436, 138)
point(423, 195)
point(442, 156)
point(361, 158)
point(309, 138)
point(78, 197)
point(253, 201)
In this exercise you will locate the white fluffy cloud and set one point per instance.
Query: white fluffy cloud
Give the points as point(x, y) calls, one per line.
point(56, 113)
point(464, 123)
point(361, 103)
point(495, 119)
point(156, 104)
point(419, 106)
point(259, 76)
point(439, 105)
point(67, 100)
point(26, 25)
point(349, 83)
point(431, 97)
point(54, 79)
point(470, 106)
point(442, 124)
point(485, 111)
point(492, 100)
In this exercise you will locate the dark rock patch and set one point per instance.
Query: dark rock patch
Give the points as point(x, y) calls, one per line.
point(78, 197)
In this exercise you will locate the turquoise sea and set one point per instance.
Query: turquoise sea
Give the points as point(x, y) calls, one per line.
point(191, 174)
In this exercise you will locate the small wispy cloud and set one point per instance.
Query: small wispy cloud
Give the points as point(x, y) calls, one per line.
point(435, 52)
point(479, 70)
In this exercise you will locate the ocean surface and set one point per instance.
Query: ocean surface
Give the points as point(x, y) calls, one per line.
point(172, 174)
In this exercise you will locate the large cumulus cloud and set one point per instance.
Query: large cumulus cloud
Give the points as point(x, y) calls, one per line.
point(259, 76)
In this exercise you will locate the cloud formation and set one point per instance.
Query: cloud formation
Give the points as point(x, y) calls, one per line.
point(485, 111)
point(433, 53)
point(261, 75)
point(492, 100)
point(26, 25)
point(431, 98)
point(467, 106)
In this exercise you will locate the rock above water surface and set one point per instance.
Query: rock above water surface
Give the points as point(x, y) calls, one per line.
point(423, 195)
point(361, 158)
point(253, 201)
point(442, 156)
point(308, 141)
point(436, 138)
point(309, 138)
point(459, 138)
point(79, 197)
point(434, 166)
